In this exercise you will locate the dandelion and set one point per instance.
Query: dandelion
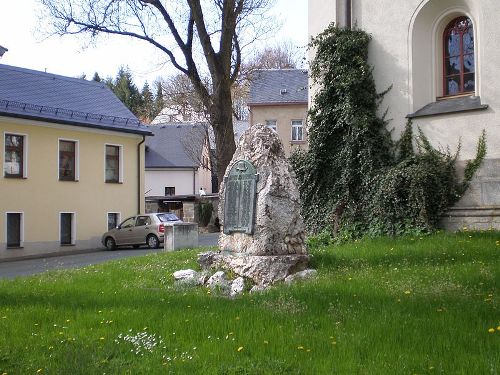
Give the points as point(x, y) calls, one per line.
point(266, 342)
point(498, 328)
point(300, 347)
point(101, 338)
point(407, 291)
point(39, 371)
point(237, 318)
point(240, 349)
point(491, 330)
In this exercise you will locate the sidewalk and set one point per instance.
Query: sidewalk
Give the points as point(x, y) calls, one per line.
point(10, 268)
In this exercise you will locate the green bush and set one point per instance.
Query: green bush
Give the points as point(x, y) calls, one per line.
point(205, 213)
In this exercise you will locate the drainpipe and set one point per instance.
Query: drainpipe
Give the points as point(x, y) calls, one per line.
point(139, 197)
point(348, 14)
point(194, 180)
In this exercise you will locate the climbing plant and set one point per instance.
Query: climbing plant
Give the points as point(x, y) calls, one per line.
point(354, 179)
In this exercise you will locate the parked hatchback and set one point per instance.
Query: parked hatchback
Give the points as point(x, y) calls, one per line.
point(148, 229)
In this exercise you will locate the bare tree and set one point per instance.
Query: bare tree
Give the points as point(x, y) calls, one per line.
point(181, 102)
point(182, 30)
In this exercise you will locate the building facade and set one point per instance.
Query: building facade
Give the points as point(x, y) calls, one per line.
point(441, 58)
point(72, 158)
point(178, 168)
point(278, 99)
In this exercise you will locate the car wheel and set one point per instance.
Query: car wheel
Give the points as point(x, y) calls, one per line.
point(152, 241)
point(110, 243)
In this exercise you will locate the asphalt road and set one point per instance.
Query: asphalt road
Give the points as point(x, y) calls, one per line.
point(10, 270)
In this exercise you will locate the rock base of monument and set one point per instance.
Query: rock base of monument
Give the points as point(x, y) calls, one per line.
point(261, 269)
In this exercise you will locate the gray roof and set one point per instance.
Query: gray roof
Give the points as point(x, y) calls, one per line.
point(49, 97)
point(279, 86)
point(175, 145)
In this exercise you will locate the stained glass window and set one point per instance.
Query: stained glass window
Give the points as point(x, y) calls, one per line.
point(459, 64)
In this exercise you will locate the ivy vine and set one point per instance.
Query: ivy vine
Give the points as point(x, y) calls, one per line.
point(354, 179)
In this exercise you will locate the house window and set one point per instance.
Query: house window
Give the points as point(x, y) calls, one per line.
point(297, 130)
point(67, 160)
point(113, 220)
point(14, 229)
point(113, 163)
point(458, 57)
point(272, 124)
point(169, 190)
point(14, 156)
point(67, 228)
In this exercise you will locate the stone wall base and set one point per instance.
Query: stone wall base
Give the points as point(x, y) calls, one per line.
point(471, 218)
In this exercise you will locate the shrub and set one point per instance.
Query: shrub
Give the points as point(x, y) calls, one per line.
point(205, 213)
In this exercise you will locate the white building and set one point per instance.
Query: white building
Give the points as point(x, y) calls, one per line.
point(442, 59)
point(177, 167)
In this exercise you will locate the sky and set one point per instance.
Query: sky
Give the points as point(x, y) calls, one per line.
point(71, 56)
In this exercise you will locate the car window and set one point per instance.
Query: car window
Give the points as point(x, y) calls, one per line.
point(142, 220)
point(128, 223)
point(167, 217)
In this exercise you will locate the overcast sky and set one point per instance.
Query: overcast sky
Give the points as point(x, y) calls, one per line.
point(68, 55)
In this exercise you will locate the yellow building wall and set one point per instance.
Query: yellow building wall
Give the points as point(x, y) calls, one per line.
point(41, 197)
point(283, 114)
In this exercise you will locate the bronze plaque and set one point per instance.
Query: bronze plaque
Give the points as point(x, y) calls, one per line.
point(239, 198)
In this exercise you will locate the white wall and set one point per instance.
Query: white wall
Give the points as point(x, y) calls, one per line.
point(404, 51)
point(185, 181)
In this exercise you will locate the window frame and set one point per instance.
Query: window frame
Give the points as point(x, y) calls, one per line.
point(293, 126)
point(120, 163)
point(169, 187)
point(272, 127)
point(448, 28)
point(21, 230)
point(76, 163)
point(24, 162)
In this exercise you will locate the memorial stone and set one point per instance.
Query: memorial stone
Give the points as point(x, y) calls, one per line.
point(263, 235)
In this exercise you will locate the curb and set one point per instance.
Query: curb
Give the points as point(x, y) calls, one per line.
point(50, 255)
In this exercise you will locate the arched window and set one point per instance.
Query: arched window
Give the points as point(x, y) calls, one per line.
point(458, 50)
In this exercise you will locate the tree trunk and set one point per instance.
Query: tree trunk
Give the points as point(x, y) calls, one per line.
point(221, 120)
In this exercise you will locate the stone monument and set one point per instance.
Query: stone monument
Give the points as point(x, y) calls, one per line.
point(263, 233)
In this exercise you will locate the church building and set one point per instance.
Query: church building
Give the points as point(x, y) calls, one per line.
point(443, 62)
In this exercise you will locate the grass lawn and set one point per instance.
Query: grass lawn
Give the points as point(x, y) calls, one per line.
point(406, 306)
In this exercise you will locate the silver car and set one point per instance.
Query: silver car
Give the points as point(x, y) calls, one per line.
point(148, 229)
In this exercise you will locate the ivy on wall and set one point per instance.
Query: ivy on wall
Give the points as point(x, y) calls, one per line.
point(354, 179)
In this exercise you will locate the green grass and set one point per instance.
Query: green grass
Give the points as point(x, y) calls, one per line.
point(385, 306)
